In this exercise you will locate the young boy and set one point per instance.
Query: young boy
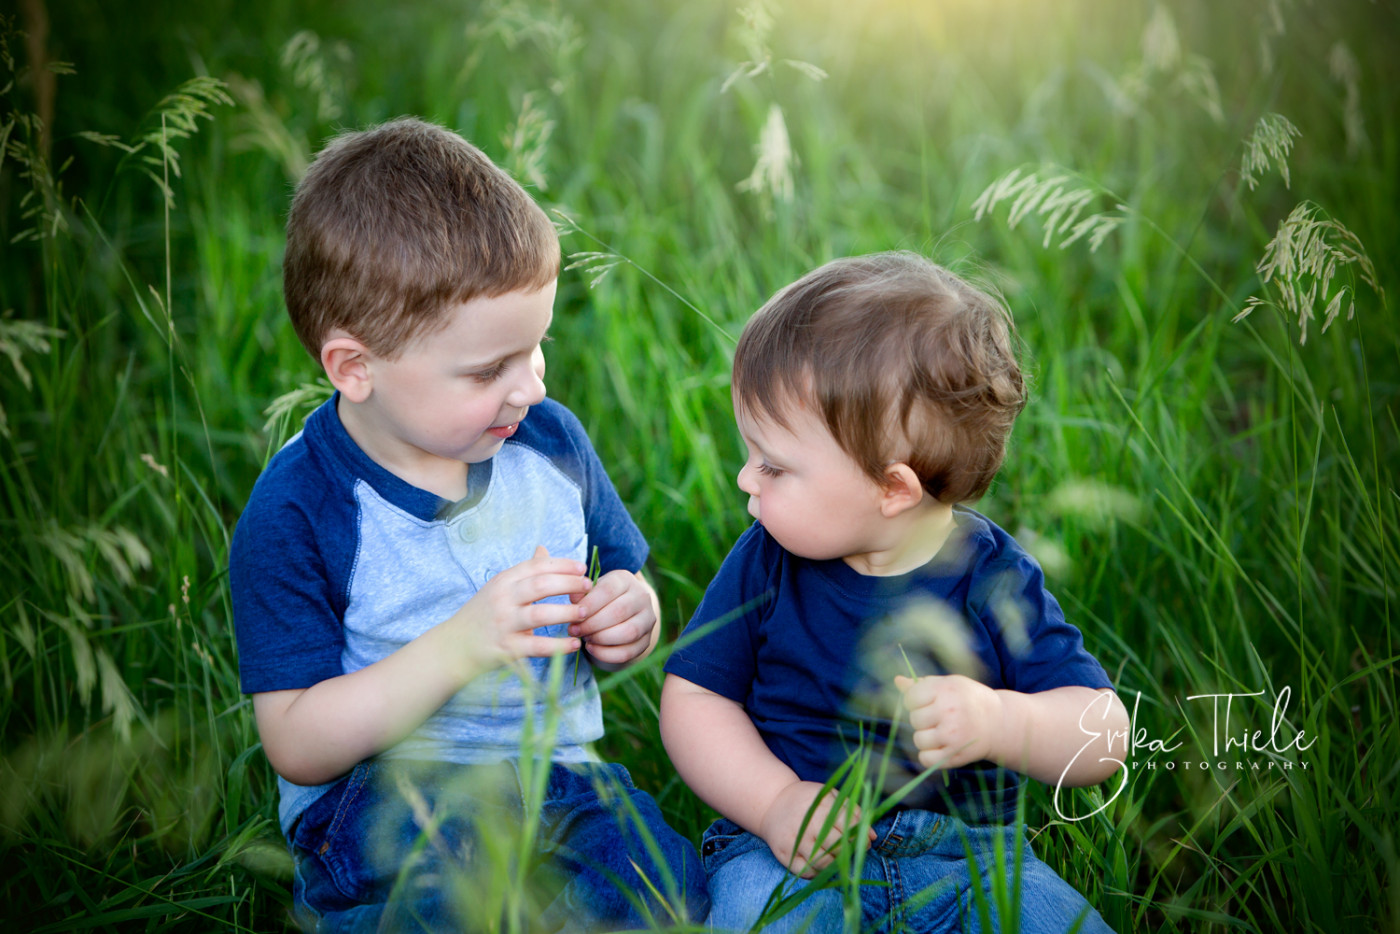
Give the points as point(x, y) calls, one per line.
point(410, 562)
point(875, 396)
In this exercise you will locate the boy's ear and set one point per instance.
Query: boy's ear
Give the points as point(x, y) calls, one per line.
point(346, 362)
point(900, 491)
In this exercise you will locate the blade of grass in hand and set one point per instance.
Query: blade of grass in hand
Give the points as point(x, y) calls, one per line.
point(595, 567)
point(913, 676)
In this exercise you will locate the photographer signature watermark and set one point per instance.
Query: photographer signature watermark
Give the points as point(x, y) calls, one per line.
point(1233, 747)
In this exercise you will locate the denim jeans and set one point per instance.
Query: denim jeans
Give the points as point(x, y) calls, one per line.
point(400, 846)
point(916, 878)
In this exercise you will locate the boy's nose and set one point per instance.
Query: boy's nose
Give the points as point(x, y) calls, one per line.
point(531, 389)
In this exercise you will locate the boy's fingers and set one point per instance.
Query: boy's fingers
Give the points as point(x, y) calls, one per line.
point(624, 633)
point(605, 618)
point(542, 614)
point(548, 565)
point(539, 586)
point(608, 588)
point(608, 655)
point(597, 622)
point(542, 563)
point(545, 646)
point(613, 654)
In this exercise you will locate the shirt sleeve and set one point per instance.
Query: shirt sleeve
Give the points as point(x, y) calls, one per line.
point(288, 629)
point(718, 649)
point(606, 520)
point(1039, 650)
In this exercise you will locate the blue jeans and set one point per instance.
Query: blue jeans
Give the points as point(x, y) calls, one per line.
point(414, 846)
point(916, 878)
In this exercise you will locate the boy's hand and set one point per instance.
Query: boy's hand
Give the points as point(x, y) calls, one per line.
point(815, 850)
point(502, 615)
point(616, 618)
point(956, 720)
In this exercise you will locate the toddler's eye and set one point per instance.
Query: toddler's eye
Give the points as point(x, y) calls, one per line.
point(768, 470)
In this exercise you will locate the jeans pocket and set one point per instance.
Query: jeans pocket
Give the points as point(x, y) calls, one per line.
point(331, 836)
point(608, 779)
point(718, 844)
point(912, 833)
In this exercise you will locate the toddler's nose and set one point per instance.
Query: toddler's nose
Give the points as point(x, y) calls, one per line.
point(746, 481)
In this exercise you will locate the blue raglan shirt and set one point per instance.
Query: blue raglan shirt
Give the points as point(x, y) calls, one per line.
point(810, 649)
point(336, 562)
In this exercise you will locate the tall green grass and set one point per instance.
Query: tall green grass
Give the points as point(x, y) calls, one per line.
point(1214, 499)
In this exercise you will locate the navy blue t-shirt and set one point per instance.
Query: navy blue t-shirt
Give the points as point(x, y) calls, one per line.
point(811, 649)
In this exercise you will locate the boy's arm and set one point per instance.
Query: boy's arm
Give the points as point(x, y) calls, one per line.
point(719, 753)
point(313, 735)
point(1067, 735)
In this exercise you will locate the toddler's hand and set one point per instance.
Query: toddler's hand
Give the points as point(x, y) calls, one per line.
point(501, 616)
point(956, 720)
point(616, 618)
point(814, 851)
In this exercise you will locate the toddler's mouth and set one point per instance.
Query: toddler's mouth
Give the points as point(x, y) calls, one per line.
point(504, 431)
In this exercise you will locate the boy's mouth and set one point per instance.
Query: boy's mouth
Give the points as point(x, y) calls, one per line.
point(505, 431)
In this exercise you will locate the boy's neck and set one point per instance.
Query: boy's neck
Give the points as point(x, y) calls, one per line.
point(445, 478)
point(915, 537)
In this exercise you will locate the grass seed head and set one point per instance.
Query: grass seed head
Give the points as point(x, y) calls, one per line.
point(1303, 259)
point(1269, 145)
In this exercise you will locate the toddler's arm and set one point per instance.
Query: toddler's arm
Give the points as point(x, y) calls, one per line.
point(719, 753)
point(1065, 735)
point(313, 735)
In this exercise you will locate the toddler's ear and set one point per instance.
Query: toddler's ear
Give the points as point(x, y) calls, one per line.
point(346, 362)
point(900, 491)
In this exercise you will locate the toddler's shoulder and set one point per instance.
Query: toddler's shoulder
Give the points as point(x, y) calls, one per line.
point(755, 564)
point(986, 535)
point(991, 554)
point(980, 540)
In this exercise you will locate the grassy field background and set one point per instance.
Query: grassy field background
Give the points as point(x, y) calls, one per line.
point(1214, 500)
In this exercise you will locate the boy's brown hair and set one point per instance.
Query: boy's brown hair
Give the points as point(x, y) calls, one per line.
point(393, 225)
point(903, 361)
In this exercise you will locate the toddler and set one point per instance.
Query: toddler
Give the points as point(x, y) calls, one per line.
point(875, 396)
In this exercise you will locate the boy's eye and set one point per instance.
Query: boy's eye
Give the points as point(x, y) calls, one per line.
point(768, 470)
point(490, 375)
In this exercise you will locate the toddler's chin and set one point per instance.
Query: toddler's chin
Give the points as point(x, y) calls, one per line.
point(801, 549)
